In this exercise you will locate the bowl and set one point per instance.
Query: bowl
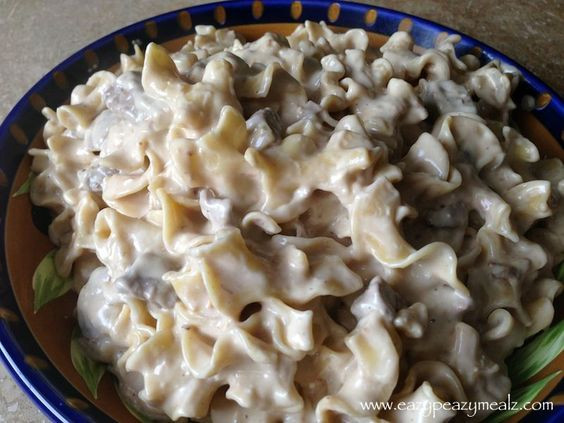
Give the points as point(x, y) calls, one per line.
point(35, 346)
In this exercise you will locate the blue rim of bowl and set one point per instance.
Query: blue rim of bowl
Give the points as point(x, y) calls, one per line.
point(23, 122)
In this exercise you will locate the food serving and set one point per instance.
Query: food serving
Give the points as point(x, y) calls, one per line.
point(291, 228)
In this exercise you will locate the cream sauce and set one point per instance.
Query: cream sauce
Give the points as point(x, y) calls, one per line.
point(284, 228)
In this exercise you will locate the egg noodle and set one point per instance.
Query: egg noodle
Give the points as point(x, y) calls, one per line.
point(285, 229)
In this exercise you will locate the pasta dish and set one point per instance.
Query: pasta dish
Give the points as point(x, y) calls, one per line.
point(286, 229)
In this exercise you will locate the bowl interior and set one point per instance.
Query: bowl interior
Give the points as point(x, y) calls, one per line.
point(44, 337)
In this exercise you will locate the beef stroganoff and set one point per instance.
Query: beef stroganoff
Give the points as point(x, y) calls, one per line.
point(284, 229)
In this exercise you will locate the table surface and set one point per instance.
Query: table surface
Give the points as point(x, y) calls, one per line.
point(528, 31)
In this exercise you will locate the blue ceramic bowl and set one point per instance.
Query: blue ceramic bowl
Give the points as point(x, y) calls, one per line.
point(19, 350)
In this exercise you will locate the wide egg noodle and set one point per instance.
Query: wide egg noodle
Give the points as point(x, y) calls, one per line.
point(280, 229)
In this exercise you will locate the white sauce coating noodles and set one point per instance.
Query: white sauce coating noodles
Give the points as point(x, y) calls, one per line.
point(284, 228)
